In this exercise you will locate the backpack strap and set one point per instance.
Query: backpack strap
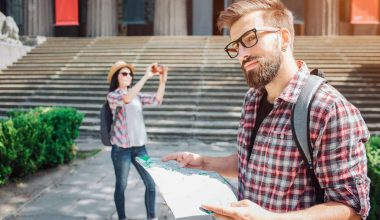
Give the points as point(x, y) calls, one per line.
point(301, 127)
point(117, 110)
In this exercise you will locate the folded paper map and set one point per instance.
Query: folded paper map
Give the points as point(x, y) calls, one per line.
point(185, 189)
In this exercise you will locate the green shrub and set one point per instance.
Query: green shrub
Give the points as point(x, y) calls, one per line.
point(27, 145)
point(373, 155)
point(7, 151)
point(63, 129)
point(16, 112)
point(40, 138)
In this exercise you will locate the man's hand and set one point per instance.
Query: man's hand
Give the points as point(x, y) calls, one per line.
point(242, 210)
point(186, 159)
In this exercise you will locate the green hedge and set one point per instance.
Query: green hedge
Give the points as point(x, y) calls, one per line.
point(40, 138)
point(373, 155)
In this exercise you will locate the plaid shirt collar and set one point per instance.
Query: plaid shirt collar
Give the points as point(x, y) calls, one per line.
point(293, 89)
point(121, 91)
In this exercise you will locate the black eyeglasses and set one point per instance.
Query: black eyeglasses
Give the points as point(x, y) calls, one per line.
point(247, 40)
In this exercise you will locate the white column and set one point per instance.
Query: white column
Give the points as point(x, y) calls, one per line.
point(38, 17)
point(170, 17)
point(101, 18)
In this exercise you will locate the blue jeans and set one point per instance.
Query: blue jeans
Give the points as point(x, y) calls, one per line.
point(122, 158)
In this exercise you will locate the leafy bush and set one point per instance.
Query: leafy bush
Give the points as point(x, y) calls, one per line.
point(373, 155)
point(40, 138)
point(7, 151)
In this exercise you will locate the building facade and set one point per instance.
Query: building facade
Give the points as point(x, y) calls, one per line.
point(92, 18)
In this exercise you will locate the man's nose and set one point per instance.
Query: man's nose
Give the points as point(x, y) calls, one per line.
point(243, 53)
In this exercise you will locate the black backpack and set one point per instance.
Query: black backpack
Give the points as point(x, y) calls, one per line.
point(301, 126)
point(106, 123)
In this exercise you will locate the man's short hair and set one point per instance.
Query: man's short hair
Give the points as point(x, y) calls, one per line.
point(276, 14)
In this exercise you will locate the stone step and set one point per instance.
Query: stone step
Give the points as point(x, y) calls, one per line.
point(196, 60)
point(167, 123)
point(173, 76)
point(172, 80)
point(363, 94)
point(72, 72)
point(92, 111)
point(209, 69)
point(55, 85)
point(175, 133)
point(170, 96)
point(200, 100)
point(102, 94)
point(209, 53)
point(183, 63)
point(148, 111)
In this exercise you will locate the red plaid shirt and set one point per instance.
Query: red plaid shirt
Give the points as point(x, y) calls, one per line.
point(275, 175)
point(120, 131)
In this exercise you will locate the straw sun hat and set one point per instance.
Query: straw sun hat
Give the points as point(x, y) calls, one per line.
point(119, 65)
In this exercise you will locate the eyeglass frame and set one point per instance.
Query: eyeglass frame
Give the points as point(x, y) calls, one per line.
point(255, 30)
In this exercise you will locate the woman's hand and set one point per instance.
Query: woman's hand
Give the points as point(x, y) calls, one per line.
point(149, 71)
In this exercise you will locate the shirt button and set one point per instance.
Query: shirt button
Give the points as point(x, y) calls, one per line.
point(358, 181)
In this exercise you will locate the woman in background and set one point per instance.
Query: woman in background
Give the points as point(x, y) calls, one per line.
point(128, 135)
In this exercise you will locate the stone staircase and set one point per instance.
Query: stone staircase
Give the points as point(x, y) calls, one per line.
point(205, 89)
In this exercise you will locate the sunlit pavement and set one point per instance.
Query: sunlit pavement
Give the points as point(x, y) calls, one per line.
point(86, 190)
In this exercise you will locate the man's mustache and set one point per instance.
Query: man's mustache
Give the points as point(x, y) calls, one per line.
point(249, 59)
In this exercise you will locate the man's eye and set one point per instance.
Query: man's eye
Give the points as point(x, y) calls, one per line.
point(250, 38)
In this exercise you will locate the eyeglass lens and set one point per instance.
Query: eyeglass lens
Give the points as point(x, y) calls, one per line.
point(247, 40)
point(126, 74)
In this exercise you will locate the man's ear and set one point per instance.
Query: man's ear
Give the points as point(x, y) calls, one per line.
point(285, 39)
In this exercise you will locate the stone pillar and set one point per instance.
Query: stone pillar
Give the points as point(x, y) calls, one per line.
point(202, 17)
point(38, 19)
point(322, 17)
point(170, 17)
point(101, 18)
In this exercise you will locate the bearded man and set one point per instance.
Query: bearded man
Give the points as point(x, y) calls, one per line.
point(273, 179)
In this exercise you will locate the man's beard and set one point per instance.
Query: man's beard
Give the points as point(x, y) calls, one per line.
point(264, 73)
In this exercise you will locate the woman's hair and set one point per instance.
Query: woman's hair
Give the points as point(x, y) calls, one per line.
point(276, 14)
point(115, 81)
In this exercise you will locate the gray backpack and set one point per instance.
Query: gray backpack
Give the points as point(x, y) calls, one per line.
point(107, 123)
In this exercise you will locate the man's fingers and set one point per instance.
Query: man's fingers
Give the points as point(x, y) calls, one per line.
point(221, 217)
point(186, 159)
point(242, 203)
point(223, 211)
point(173, 156)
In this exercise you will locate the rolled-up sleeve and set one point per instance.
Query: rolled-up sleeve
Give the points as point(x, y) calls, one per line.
point(149, 99)
point(115, 99)
point(340, 160)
